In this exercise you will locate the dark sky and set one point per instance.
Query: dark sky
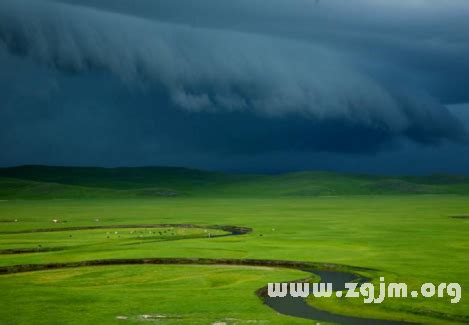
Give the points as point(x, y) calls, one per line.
point(249, 85)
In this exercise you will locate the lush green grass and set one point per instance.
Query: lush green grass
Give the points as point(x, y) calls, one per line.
point(184, 294)
point(103, 238)
point(71, 182)
point(407, 238)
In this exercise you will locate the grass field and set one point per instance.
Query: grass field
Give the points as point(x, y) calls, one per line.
point(408, 238)
point(43, 182)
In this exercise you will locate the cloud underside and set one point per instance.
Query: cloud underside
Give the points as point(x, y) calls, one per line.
point(168, 86)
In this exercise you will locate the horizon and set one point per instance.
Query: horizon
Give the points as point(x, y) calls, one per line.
point(234, 172)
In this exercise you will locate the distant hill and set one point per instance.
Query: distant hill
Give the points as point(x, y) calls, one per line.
point(13, 188)
point(83, 182)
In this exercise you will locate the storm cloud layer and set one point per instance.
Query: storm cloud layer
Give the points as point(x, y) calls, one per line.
point(161, 79)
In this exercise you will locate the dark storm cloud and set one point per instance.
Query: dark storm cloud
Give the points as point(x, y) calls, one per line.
point(138, 82)
point(424, 41)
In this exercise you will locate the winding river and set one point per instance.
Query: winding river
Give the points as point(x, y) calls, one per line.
point(298, 307)
point(336, 274)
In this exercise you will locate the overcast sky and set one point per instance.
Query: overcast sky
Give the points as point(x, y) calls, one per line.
point(249, 85)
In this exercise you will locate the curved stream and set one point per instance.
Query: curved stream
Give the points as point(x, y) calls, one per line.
point(288, 305)
point(230, 231)
point(297, 307)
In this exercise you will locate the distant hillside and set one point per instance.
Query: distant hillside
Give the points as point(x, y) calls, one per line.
point(120, 178)
point(80, 182)
point(11, 188)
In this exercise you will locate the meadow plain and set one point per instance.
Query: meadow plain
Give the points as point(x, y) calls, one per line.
point(410, 238)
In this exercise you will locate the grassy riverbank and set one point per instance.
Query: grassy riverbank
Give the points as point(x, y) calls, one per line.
point(408, 238)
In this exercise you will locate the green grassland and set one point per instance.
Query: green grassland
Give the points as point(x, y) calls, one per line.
point(35, 182)
point(406, 236)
